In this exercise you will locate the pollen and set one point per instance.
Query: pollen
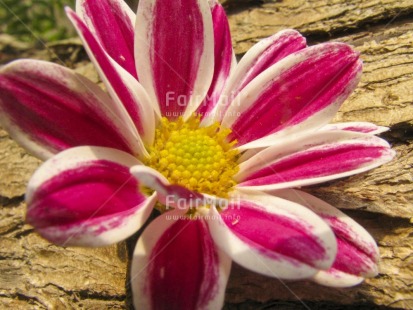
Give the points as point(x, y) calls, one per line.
point(199, 158)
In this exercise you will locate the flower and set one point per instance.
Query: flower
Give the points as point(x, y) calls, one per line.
point(224, 145)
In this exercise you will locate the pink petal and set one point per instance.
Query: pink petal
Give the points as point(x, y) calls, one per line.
point(273, 236)
point(362, 127)
point(357, 254)
point(85, 196)
point(260, 57)
point(351, 259)
point(132, 101)
point(172, 196)
point(174, 52)
point(177, 266)
point(312, 159)
point(48, 108)
point(223, 56)
point(112, 22)
point(301, 92)
point(336, 278)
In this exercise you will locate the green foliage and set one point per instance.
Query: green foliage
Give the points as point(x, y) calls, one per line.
point(35, 20)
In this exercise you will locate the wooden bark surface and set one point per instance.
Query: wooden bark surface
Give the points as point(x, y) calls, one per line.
point(35, 274)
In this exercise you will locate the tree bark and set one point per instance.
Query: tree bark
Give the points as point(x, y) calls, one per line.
point(35, 274)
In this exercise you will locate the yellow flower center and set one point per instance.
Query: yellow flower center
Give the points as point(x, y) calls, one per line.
point(199, 158)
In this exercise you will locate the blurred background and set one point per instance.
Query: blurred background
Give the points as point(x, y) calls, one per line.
point(37, 21)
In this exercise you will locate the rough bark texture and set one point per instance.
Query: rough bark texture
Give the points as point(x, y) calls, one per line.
point(37, 275)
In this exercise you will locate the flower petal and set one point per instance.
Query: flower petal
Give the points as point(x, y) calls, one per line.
point(311, 159)
point(85, 196)
point(260, 57)
point(302, 91)
point(336, 278)
point(174, 196)
point(48, 108)
point(273, 236)
point(177, 266)
point(357, 254)
point(362, 127)
point(174, 53)
point(112, 22)
point(224, 59)
point(132, 101)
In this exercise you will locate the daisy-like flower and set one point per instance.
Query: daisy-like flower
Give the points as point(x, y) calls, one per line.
point(217, 146)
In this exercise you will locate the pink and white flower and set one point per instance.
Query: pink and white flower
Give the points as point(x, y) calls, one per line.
point(221, 143)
